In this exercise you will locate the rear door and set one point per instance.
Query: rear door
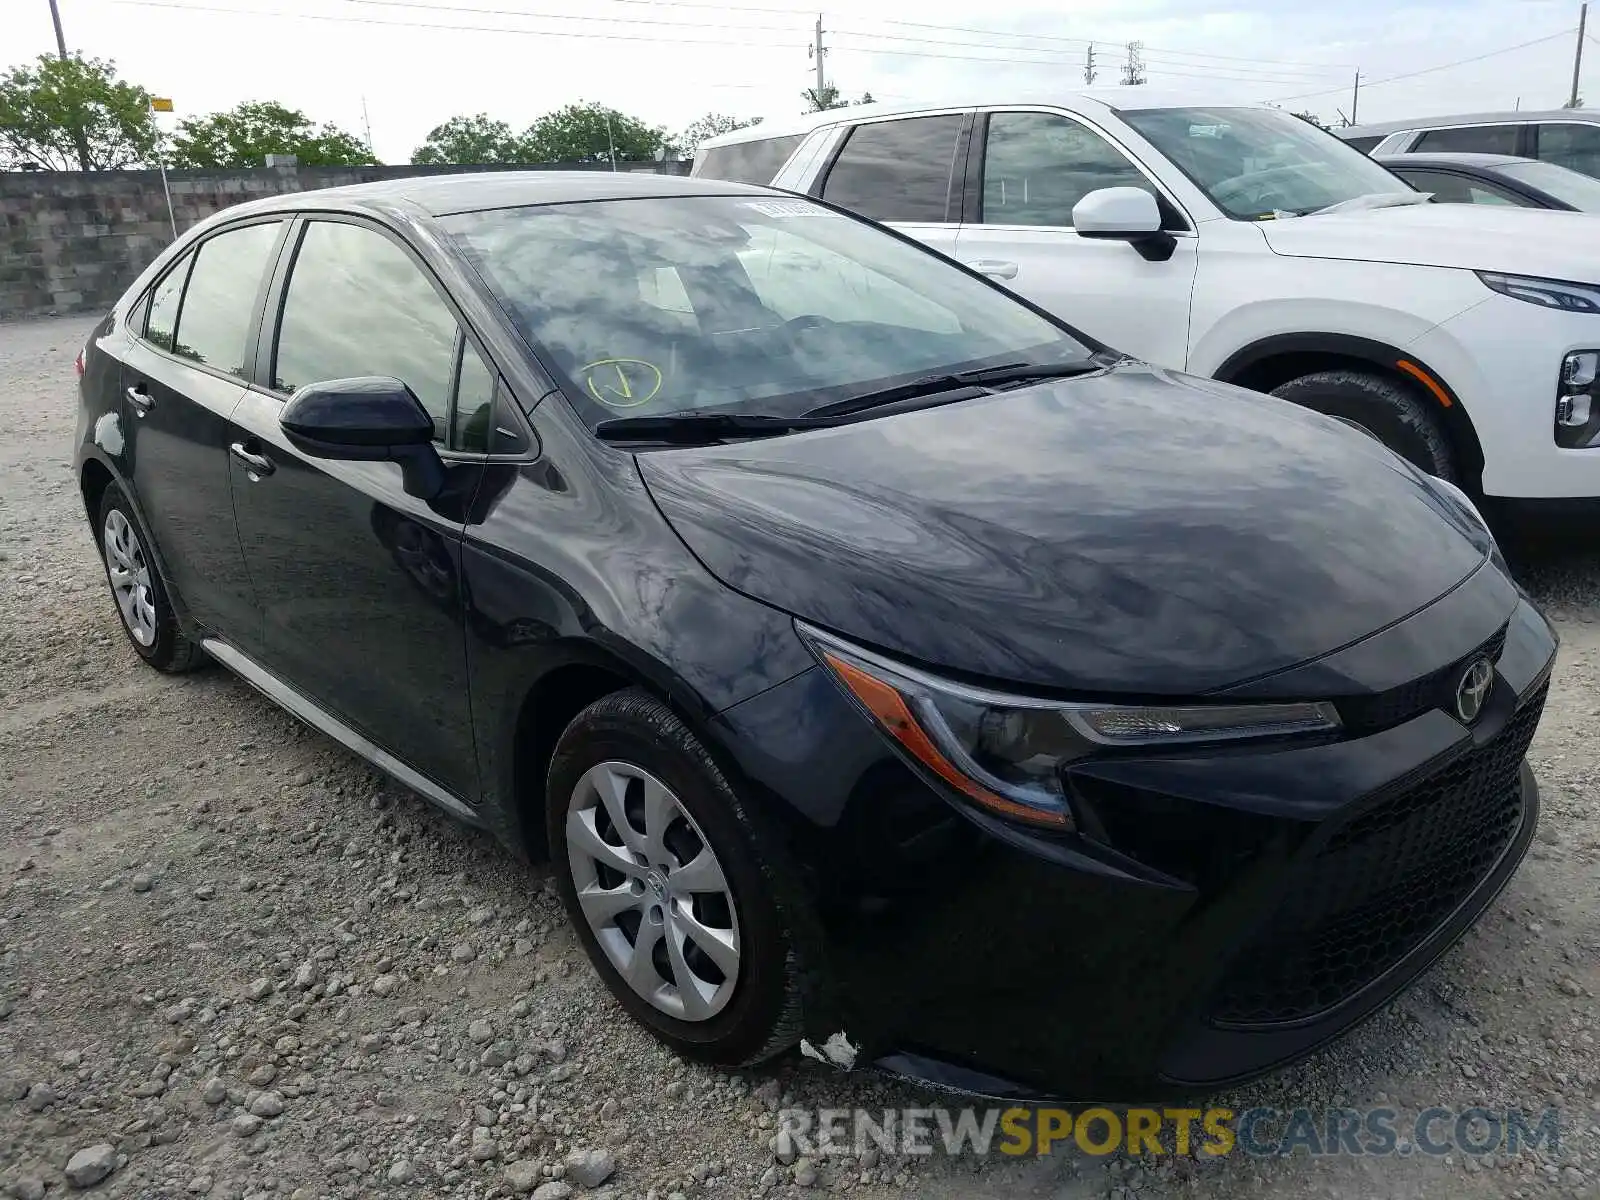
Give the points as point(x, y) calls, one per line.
point(905, 172)
point(360, 583)
point(1027, 169)
point(181, 380)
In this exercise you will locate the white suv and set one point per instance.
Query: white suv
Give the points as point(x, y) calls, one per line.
point(1245, 244)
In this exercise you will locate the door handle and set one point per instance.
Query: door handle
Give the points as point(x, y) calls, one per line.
point(141, 400)
point(256, 464)
point(995, 267)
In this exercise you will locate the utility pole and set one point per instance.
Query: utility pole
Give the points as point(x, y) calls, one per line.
point(817, 51)
point(366, 126)
point(1577, 54)
point(61, 38)
point(1355, 98)
point(1133, 69)
point(1089, 71)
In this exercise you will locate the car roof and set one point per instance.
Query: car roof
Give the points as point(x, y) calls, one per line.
point(1586, 116)
point(441, 195)
point(1094, 100)
point(1443, 159)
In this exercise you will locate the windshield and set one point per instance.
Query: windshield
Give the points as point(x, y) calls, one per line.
point(1260, 162)
point(741, 304)
point(1580, 191)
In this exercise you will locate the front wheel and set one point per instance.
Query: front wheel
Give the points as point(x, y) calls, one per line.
point(658, 865)
point(1386, 408)
point(136, 588)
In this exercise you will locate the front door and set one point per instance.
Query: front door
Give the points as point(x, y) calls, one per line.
point(1034, 167)
point(182, 376)
point(359, 582)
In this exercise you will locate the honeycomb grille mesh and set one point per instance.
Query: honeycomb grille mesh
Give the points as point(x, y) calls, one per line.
point(1382, 883)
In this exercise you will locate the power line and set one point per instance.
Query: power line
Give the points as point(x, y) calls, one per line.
point(1460, 62)
point(297, 16)
point(711, 5)
point(548, 16)
point(1239, 72)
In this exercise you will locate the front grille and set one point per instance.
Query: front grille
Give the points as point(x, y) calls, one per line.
point(1368, 714)
point(1382, 883)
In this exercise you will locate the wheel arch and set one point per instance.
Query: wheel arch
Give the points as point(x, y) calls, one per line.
point(93, 479)
point(1265, 364)
point(577, 675)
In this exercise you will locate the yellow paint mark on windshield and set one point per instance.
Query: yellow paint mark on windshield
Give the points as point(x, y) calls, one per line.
point(622, 382)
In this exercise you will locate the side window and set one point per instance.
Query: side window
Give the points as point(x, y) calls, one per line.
point(358, 305)
point(1473, 139)
point(1036, 166)
point(897, 170)
point(162, 320)
point(1364, 144)
point(220, 300)
point(1571, 145)
point(474, 413)
point(1446, 189)
point(757, 161)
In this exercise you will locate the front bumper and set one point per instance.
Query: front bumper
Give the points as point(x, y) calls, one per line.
point(1217, 915)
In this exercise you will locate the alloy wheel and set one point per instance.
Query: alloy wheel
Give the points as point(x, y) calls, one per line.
point(653, 891)
point(129, 572)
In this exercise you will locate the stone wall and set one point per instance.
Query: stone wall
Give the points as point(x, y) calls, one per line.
point(71, 241)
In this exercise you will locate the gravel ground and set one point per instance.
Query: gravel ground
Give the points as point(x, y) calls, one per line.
point(236, 962)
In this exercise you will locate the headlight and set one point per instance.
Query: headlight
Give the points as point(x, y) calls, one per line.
point(1006, 752)
point(1549, 293)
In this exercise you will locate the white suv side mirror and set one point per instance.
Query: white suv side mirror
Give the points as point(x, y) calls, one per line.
point(1125, 214)
point(1116, 212)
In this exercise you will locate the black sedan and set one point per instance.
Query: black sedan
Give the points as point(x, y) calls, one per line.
point(1496, 179)
point(879, 660)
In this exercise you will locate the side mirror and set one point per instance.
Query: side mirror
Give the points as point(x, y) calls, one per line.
point(1124, 214)
point(366, 419)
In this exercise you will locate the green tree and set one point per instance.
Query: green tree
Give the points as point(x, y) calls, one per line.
point(1312, 118)
point(826, 97)
point(245, 135)
point(73, 114)
point(588, 133)
point(476, 139)
point(709, 126)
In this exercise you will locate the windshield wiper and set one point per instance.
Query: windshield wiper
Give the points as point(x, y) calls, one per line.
point(932, 385)
point(694, 427)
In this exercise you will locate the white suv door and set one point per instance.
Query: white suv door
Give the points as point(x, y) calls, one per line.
point(1034, 165)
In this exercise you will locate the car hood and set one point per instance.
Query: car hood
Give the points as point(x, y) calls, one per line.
point(1525, 241)
point(1129, 531)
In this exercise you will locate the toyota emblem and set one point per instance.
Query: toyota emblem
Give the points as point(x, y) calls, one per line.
point(1473, 689)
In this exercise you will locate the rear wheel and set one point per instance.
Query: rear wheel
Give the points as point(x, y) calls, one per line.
point(659, 868)
point(1386, 408)
point(136, 588)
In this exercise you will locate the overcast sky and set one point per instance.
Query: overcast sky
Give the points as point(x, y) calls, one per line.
point(416, 63)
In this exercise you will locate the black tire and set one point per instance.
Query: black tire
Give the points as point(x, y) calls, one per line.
point(762, 1018)
point(169, 650)
point(1388, 409)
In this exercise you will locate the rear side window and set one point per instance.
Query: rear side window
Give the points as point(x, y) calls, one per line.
point(1474, 139)
point(897, 170)
point(748, 162)
point(162, 322)
point(220, 300)
point(1574, 146)
point(1364, 144)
